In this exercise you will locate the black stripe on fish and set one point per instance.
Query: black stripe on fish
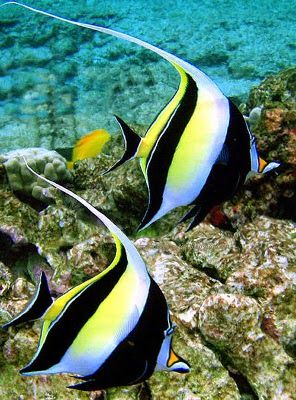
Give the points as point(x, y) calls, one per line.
point(230, 170)
point(164, 149)
point(40, 302)
point(62, 333)
point(134, 359)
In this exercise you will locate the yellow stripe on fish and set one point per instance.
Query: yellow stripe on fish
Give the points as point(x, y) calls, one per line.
point(199, 149)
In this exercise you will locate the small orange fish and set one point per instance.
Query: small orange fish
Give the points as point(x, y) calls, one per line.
point(89, 145)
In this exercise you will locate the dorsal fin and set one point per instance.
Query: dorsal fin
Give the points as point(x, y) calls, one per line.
point(37, 307)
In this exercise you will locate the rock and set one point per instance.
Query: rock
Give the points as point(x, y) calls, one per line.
point(275, 131)
point(5, 87)
point(90, 257)
point(18, 220)
point(252, 318)
point(5, 279)
point(64, 47)
point(211, 250)
point(185, 290)
point(232, 324)
point(245, 70)
point(216, 56)
point(121, 194)
point(39, 56)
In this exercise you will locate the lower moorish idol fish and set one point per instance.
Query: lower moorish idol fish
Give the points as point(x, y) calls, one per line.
point(112, 330)
point(198, 151)
point(89, 145)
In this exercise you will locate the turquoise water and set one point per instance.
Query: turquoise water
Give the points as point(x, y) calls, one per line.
point(57, 82)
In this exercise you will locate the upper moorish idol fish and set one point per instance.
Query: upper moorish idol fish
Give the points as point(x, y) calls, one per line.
point(112, 330)
point(198, 151)
point(89, 145)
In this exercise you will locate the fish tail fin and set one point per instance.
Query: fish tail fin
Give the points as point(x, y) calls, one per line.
point(37, 307)
point(131, 141)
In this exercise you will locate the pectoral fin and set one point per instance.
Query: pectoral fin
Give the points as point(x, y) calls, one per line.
point(37, 307)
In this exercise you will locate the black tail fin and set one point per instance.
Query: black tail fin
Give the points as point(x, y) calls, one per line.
point(40, 302)
point(131, 142)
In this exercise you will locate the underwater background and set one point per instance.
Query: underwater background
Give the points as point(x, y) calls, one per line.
point(231, 289)
point(57, 82)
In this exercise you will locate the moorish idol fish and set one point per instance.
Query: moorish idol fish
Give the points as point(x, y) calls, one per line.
point(112, 330)
point(198, 151)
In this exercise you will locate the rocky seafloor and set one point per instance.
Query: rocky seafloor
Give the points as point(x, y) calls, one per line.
point(232, 292)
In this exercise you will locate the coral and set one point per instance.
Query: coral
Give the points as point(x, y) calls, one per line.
point(47, 162)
